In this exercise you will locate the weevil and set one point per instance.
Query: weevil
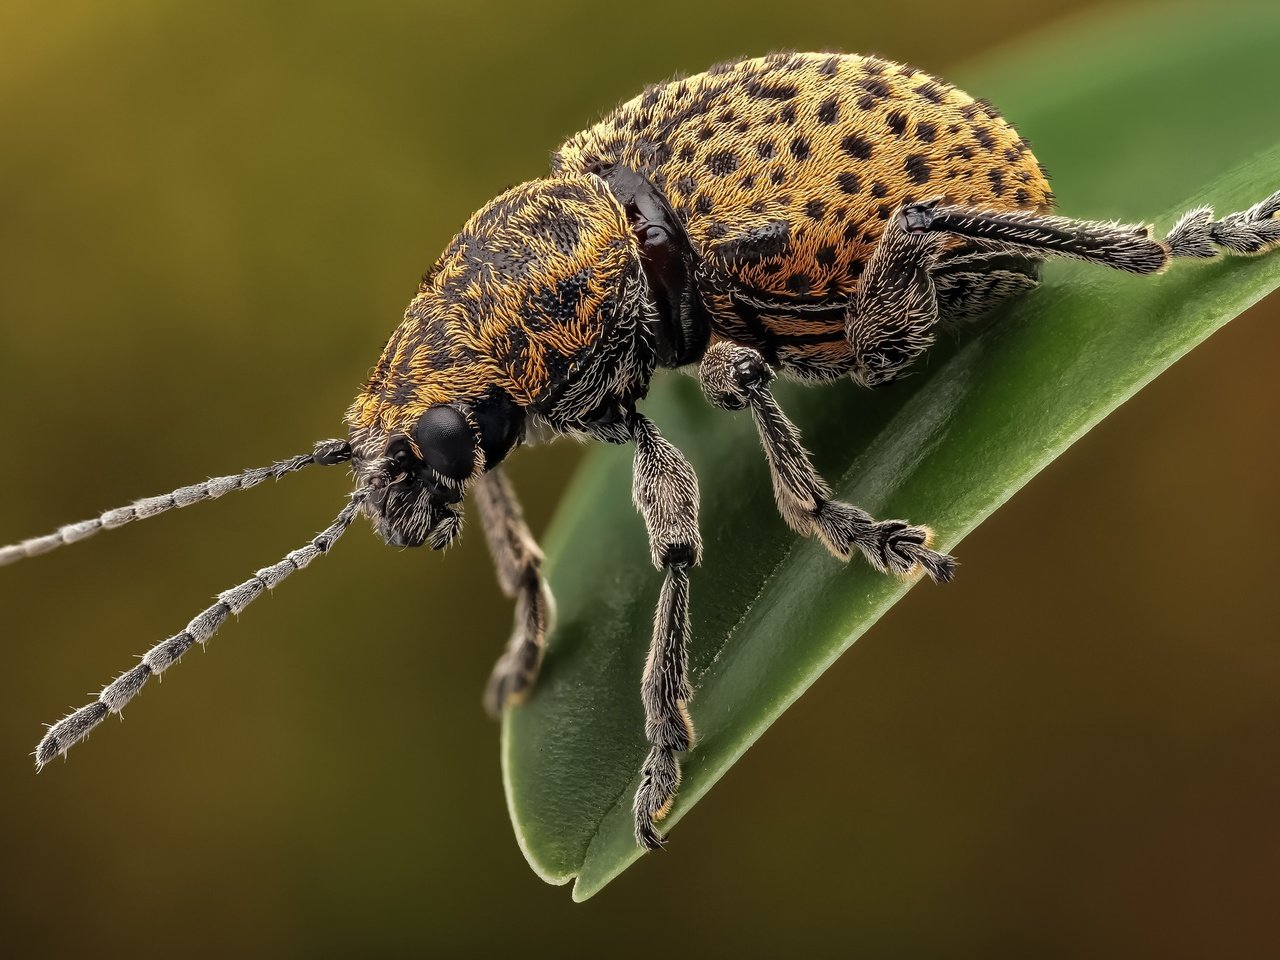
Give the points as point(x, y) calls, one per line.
point(814, 216)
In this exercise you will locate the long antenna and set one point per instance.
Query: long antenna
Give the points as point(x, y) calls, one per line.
point(66, 733)
point(326, 453)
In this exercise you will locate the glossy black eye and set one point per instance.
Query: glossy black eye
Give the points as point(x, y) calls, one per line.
point(447, 442)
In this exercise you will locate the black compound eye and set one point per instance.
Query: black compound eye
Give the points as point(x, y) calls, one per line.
point(447, 442)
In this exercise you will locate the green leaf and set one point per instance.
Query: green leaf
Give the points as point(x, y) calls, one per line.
point(945, 447)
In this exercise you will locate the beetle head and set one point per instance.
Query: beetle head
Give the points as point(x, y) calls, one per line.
point(417, 478)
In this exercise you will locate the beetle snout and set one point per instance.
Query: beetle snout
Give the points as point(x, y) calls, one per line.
point(411, 513)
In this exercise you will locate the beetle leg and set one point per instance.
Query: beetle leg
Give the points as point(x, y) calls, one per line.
point(891, 321)
point(518, 562)
point(665, 491)
point(1129, 247)
point(733, 377)
point(970, 284)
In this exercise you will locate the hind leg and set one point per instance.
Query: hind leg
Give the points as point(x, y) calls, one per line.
point(971, 284)
point(1128, 247)
point(912, 282)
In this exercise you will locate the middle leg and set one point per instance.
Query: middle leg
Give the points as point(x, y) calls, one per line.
point(735, 376)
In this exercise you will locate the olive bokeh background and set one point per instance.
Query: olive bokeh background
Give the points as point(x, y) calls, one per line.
point(211, 217)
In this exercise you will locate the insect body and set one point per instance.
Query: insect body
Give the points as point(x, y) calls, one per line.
point(810, 215)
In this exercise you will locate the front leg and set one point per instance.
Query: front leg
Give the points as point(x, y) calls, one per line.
point(518, 562)
point(665, 491)
point(734, 377)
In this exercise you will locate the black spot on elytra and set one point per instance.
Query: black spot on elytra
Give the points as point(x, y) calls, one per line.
point(873, 65)
point(997, 182)
point(829, 67)
point(717, 230)
point(984, 138)
point(841, 212)
point(722, 163)
point(857, 147)
point(800, 148)
point(883, 211)
point(778, 177)
point(765, 149)
point(743, 127)
point(687, 153)
point(788, 114)
point(851, 231)
point(705, 134)
point(815, 209)
point(1011, 154)
point(685, 184)
point(748, 182)
point(916, 167)
point(848, 182)
point(762, 89)
point(896, 122)
point(961, 152)
point(702, 204)
point(757, 206)
point(878, 190)
point(799, 283)
point(988, 108)
point(926, 132)
point(826, 256)
point(868, 102)
point(875, 87)
point(970, 110)
point(933, 92)
point(829, 111)
point(1021, 197)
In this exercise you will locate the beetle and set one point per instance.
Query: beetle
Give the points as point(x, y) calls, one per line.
point(815, 216)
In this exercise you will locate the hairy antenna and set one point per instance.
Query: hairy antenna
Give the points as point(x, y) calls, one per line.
point(66, 733)
point(326, 453)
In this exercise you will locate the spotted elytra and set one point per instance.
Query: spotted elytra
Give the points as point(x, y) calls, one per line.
point(814, 215)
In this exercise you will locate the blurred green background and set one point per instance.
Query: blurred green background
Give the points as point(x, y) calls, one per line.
point(211, 218)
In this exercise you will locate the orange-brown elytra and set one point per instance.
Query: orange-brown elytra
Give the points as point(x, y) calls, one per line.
point(810, 215)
